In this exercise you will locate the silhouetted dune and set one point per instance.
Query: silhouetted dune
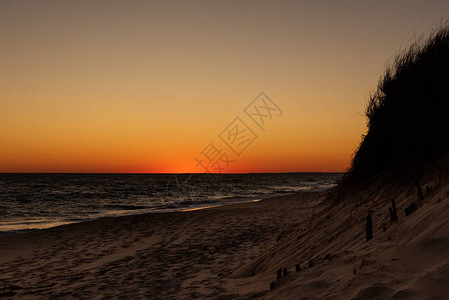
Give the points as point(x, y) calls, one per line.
point(408, 115)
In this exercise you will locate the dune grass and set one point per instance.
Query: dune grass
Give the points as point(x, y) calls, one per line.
point(408, 114)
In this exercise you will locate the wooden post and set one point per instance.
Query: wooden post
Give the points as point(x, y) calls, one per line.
point(279, 274)
point(410, 208)
point(369, 227)
point(393, 212)
point(419, 192)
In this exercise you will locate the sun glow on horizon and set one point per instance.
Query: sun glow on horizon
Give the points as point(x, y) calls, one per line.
point(143, 87)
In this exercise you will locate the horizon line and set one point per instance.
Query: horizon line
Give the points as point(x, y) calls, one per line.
point(179, 173)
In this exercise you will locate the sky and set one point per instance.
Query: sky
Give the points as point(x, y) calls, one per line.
point(162, 86)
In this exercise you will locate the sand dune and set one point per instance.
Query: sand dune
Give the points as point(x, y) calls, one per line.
point(409, 260)
point(235, 251)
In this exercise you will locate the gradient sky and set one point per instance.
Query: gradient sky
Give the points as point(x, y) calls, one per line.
point(144, 86)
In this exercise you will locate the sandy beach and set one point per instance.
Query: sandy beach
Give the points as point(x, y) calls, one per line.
point(156, 256)
point(234, 252)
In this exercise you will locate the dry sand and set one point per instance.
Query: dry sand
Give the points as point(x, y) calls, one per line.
point(233, 252)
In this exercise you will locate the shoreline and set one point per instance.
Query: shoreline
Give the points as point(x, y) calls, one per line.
point(74, 198)
point(46, 224)
point(145, 251)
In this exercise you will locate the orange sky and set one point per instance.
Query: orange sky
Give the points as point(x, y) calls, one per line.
point(138, 86)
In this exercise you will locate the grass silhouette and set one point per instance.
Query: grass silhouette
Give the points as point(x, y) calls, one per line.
point(408, 115)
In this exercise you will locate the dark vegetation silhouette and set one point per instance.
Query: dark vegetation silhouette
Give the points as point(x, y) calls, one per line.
point(408, 114)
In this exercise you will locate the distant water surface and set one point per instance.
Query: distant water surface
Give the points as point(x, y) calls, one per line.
point(35, 201)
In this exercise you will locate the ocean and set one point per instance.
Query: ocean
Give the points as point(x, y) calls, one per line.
point(37, 201)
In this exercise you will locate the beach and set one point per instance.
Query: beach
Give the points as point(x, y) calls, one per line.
point(235, 251)
point(154, 256)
